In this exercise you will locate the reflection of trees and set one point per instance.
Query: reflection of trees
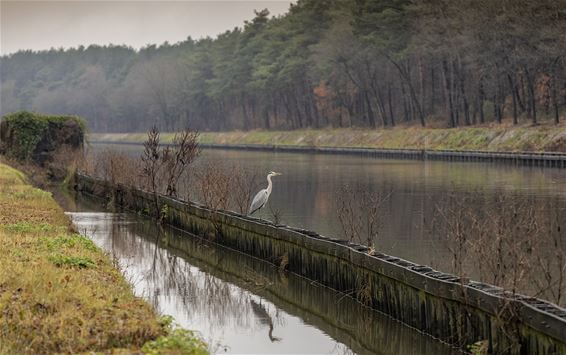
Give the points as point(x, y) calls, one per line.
point(168, 277)
point(305, 195)
point(229, 274)
point(211, 284)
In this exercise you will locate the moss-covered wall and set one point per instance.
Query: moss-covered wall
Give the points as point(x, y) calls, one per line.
point(457, 311)
point(344, 319)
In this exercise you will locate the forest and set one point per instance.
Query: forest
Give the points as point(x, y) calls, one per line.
point(325, 63)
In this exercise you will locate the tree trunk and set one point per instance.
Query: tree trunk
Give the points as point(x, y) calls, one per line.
point(447, 87)
point(390, 104)
point(406, 76)
point(432, 90)
point(371, 116)
point(455, 93)
point(481, 99)
point(496, 111)
point(532, 98)
point(555, 100)
point(245, 116)
point(422, 92)
point(514, 96)
point(520, 102)
point(405, 108)
point(379, 101)
point(464, 99)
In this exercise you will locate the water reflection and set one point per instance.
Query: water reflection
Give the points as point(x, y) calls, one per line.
point(240, 304)
point(263, 317)
point(411, 222)
point(305, 195)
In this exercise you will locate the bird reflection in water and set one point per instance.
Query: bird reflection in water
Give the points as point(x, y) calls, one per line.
point(264, 318)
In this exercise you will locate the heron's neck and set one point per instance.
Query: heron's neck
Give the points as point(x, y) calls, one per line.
point(269, 184)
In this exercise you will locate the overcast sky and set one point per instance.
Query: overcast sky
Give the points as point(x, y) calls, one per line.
point(46, 24)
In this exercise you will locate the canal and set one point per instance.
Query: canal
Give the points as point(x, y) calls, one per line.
point(309, 192)
point(243, 305)
point(237, 303)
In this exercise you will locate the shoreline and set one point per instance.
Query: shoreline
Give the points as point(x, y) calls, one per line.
point(540, 159)
point(59, 292)
point(514, 139)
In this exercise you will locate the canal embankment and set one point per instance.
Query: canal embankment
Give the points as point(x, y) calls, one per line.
point(532, 146)
point(244, 304)
point(456, 310)
point(59, 293)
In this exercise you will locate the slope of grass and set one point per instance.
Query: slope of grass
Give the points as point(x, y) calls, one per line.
point(497, 138)
point(59, 293)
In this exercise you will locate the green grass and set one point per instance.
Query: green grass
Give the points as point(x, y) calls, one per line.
point(59, 293)
point(69, 242)
point(65, 260)
point(26, 227)
point(488, 138)
point(177, 341)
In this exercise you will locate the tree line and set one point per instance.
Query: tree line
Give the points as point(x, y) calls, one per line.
point(338, 63)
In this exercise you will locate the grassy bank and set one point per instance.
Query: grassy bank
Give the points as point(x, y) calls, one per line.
point(540, 138)
point(59, 292)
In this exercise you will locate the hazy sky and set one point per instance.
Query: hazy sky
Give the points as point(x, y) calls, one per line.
point(45, 24)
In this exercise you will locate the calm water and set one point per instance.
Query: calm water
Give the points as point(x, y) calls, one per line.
point(306, 194)
point(237, 303)
point(242, 305)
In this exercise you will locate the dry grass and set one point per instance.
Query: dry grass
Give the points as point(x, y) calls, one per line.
point(58, 292)
point(545, 137)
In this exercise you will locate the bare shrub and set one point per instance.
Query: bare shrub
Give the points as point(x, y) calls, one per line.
point(456, 224)
point(225, 187)
point(178, 158)
point(65, 162)
point(112, 166)
point(88, 165)
point(507, 238)
point(117, 167)
point(243, 185)
point(498, 239)
point(213, 183)
point(151, 161)
point(510, 241)
point(275, 214)
point(165, 166)
point(550, 263)
point(360, 214)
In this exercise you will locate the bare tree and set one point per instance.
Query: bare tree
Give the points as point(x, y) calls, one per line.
point(509, 240)
point(151, 163)
point(178, 158)
point(360, 214)
point(454, 223)
point(551, 263)
point(213, 184)
point(244, 184)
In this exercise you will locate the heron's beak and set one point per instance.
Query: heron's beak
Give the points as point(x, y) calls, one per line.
point(277, 174)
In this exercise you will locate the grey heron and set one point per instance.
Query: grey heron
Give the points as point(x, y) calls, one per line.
point(262, 196)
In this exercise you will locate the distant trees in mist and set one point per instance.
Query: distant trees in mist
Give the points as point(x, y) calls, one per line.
point(339, 63)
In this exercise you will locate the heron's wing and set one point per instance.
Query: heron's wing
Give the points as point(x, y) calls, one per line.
point(259, 200)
